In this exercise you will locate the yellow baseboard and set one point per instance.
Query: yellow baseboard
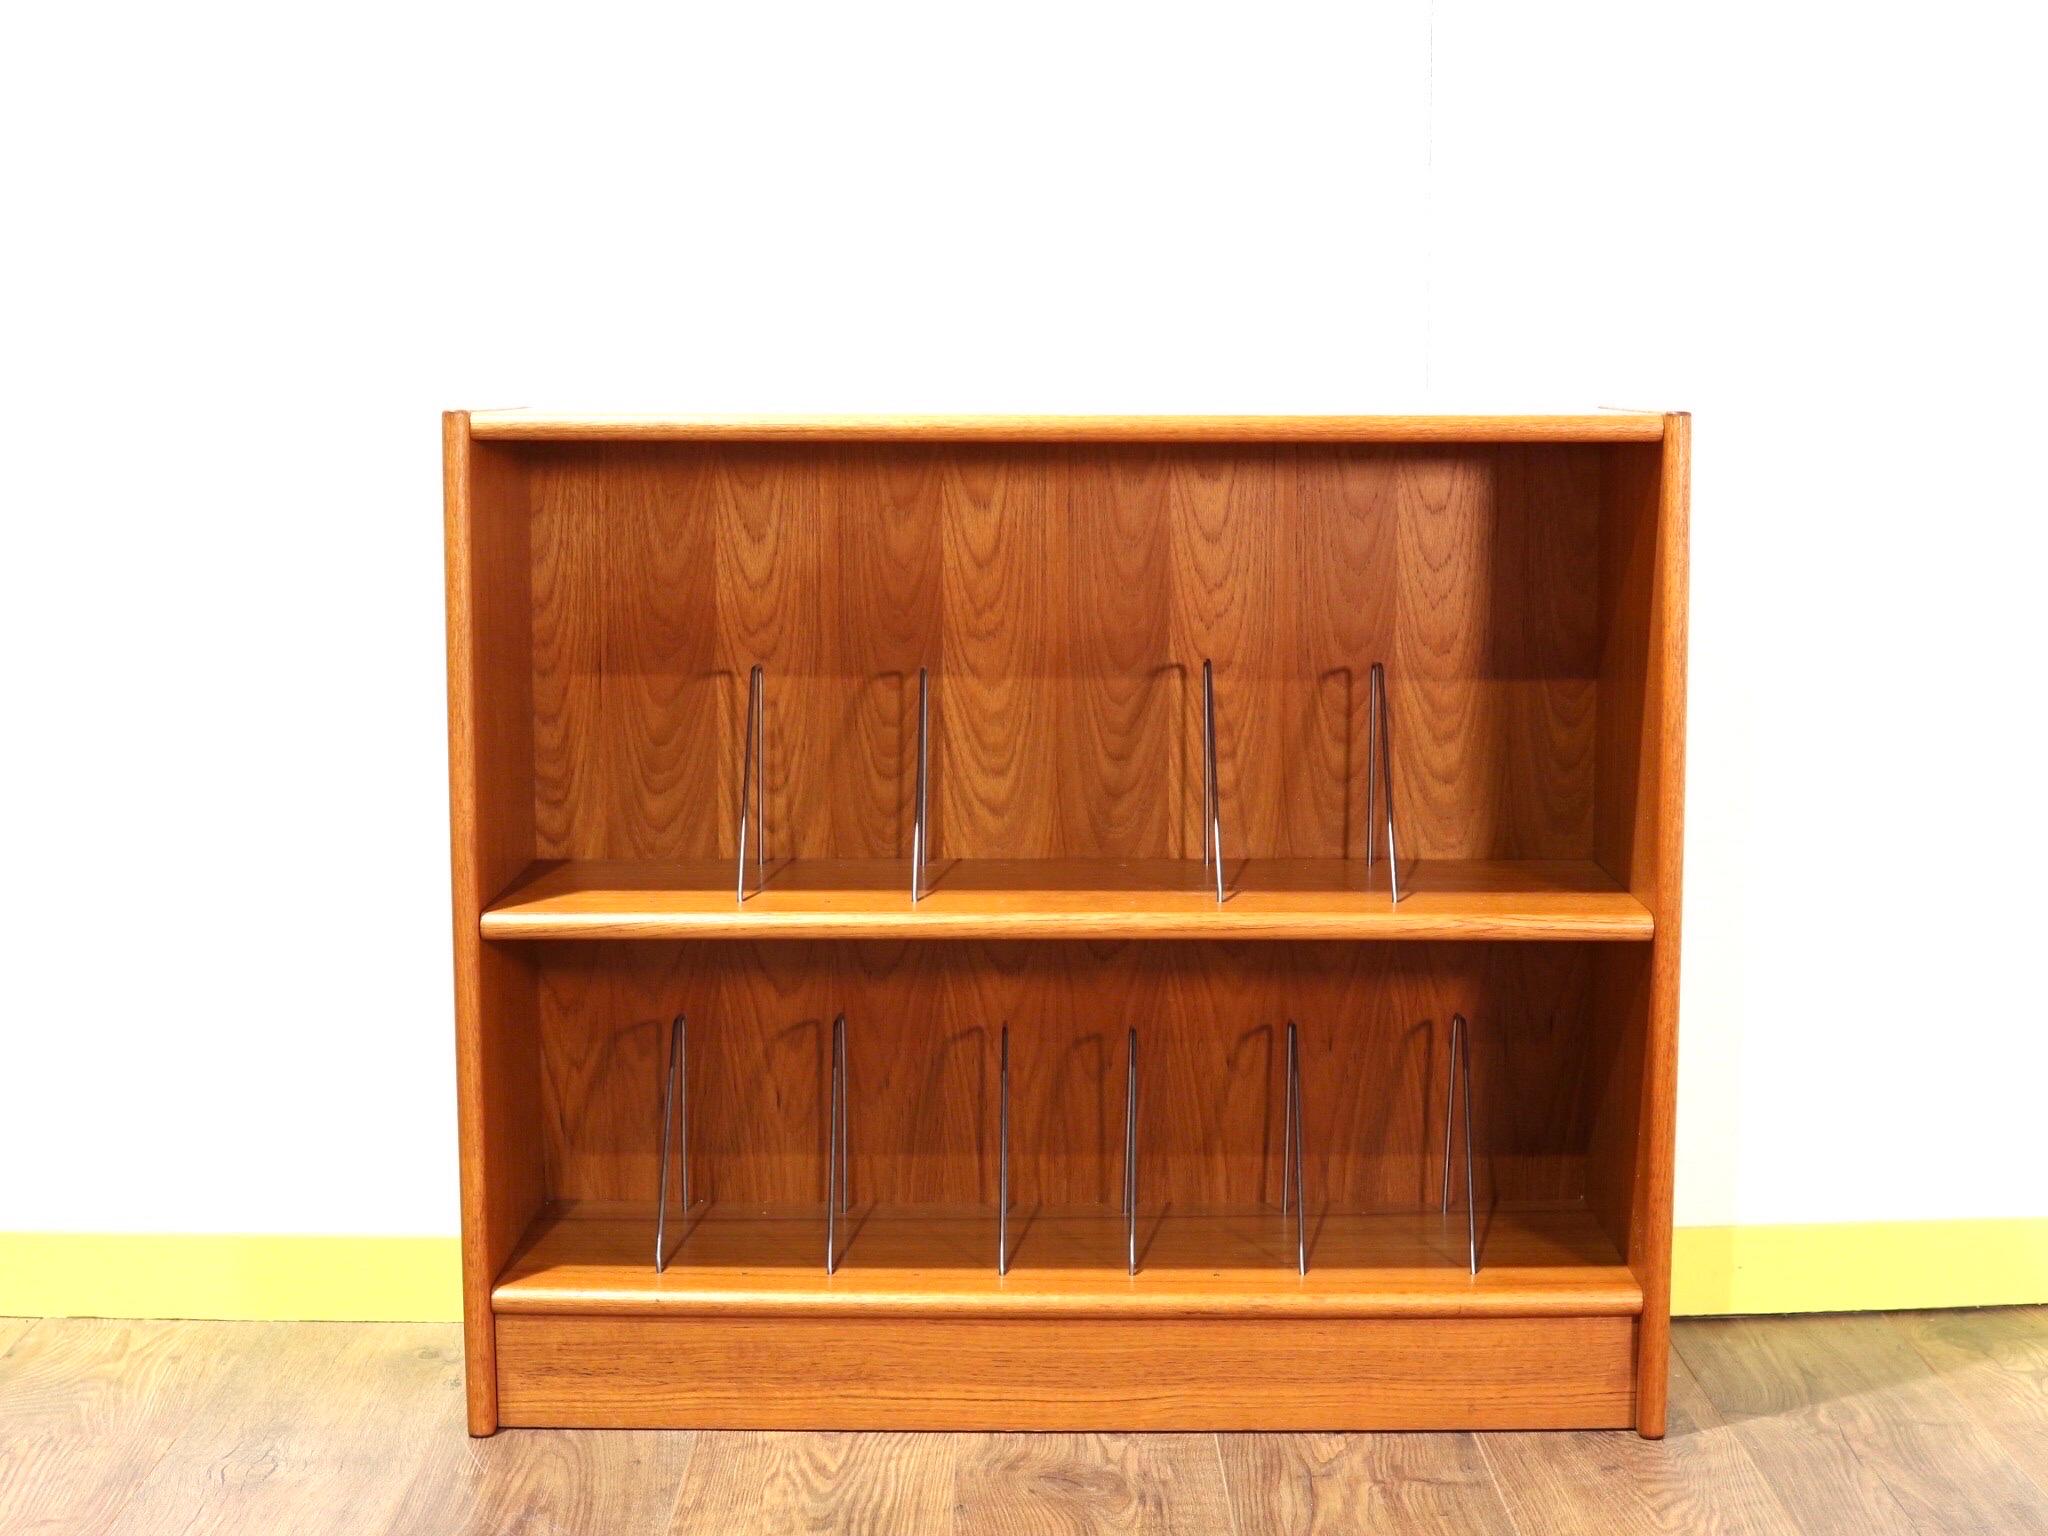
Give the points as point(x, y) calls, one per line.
point(1862, 1266)
point(337, 1279)
point(1839, 1267)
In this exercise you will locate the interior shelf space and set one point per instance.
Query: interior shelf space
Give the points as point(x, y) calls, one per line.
point(1069, 899)
point(1543, 1261)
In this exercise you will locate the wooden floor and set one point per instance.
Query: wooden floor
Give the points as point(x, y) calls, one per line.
point(1854, 1423)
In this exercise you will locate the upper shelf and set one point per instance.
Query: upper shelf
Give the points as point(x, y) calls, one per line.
point(1068, 899)
point(1469, 427)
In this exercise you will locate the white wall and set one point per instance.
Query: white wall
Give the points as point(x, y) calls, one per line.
point(254, 249)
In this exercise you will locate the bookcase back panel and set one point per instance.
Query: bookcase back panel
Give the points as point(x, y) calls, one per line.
point(1064, 597)
point(922, 1026)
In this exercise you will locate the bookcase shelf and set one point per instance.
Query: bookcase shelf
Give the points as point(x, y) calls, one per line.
point(1547, 1261)
point(833, 805)
point(1068, 899)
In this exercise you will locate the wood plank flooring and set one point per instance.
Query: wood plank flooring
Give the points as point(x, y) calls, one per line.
point(1915, 1422)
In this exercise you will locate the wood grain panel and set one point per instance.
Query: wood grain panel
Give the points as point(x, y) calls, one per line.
point(1236, 591)
point(811, 1373)
point(493, 719)
point(1348, 539)
point(661, 678)
point(572, 768)
point(1492, 669)
point(1543, 640)
point(1634, 543)
point(1448, 738)
point(774, 550)
point(1129, 778)
point(1065, 597)
point(922, 1022)
point(1639, 837)
point(889, 575)
point(1004, 653)
point(1616, 1041)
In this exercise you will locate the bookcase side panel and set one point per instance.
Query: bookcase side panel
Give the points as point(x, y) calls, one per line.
point(1639, 839)
point(490, 756)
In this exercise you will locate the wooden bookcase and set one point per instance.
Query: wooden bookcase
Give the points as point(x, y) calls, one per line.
point(612, 582)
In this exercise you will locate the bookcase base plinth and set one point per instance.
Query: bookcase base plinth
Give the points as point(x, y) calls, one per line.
point(883, 1372)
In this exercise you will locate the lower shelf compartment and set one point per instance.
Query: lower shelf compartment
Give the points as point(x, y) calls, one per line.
point(1552, 1261)
point(878, 1371)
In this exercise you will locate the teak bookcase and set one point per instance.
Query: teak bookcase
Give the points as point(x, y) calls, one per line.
point(1308, 1136)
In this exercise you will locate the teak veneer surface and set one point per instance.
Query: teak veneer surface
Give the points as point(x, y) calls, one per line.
point(491, 836)
point(1068, 1373)
point(1639, 837)
point(1553, 1262)
point(1457, 427)
point(1072, 899)
point(1063, 598)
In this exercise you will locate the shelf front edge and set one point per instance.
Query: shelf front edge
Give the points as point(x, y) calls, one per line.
point(1467, 427)
point(1621, 926)
point(1601, 1293)
point(1022, 900)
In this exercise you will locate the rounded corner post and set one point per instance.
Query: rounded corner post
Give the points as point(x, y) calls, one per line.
point(1650, 1419)
point(483, 1417)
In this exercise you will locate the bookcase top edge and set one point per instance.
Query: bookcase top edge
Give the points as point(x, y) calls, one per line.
point(1600, 426)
